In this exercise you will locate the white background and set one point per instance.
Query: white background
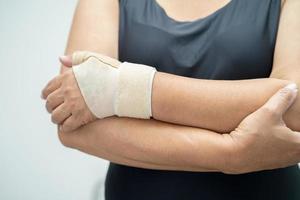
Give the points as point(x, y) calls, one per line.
point(33, 163)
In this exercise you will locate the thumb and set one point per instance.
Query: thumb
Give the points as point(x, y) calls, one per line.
point(66, 60)
point(76, 58)
point(282, 99)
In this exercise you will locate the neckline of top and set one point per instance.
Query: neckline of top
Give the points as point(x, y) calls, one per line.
point(216, 12)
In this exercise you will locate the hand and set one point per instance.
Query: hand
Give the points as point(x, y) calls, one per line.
point(65, 102)
point(110, 87)
point(262, 141)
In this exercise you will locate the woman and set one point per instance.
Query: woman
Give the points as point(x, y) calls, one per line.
point(182, 157)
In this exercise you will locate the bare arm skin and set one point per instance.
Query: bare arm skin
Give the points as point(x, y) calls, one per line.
point(95, 28)
point(287, 55)
point(122, 138)
point(220, 105)
point(151, 144)
point(215, 105)
point(142, 143)
point(257, 143)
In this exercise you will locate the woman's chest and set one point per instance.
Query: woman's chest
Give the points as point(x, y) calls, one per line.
point(190, 10)
point(235, 44)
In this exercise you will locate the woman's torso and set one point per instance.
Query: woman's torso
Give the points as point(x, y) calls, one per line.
point(235, 42)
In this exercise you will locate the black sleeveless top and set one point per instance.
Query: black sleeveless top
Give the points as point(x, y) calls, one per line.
point(235, 42)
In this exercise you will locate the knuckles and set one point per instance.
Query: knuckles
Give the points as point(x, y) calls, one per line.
point(67, 90)
point(48, 106)
point(72, 106)
point(54, 119)
point(44, 93)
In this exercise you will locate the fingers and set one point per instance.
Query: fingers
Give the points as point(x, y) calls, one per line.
point(60, 114)
point(51, 86)
point(69, 124)
point(282, 100)
point(76, 58)
point(54, 99)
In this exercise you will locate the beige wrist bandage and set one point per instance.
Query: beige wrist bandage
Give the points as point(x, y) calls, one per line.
point(113, 88)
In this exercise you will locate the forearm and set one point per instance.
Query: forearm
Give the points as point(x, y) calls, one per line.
point(220, 105)
point(151, 144)
point(210, 104)
point(214, 105)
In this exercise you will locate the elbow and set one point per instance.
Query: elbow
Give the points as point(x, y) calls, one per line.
point(291, 117)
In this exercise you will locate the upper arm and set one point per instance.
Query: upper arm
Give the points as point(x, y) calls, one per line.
point(286, 63)
point(95, 27)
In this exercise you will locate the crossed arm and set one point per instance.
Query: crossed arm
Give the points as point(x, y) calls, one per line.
point(158, 145)
point(196, 102)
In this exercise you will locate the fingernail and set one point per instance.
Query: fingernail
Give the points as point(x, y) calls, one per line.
point(292, 86)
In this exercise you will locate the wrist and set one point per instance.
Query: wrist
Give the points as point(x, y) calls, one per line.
point(97, 79)
point(134, 91)
point(231, 156)
point(113, 88)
